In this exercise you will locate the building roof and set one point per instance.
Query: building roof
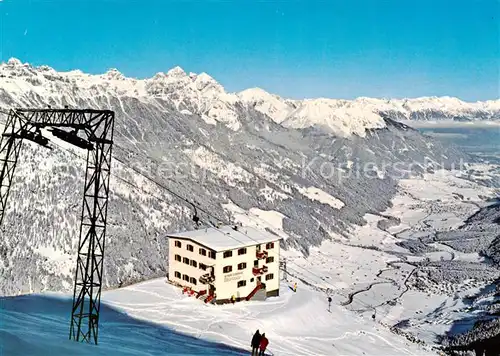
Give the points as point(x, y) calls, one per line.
point(226, 238)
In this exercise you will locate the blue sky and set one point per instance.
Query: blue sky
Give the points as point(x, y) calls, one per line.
point(339, 49)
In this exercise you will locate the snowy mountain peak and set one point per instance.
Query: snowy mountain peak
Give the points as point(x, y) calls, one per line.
point(204, 77)
point(44, 68)
point(185, 86)
point(159, 76)
point(176, 72)
point(257, 95)
point(14, 62)
point(269, 104)
point(114, 74)
point(204, 82)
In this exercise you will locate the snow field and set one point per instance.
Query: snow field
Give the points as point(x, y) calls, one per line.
point(295, 323)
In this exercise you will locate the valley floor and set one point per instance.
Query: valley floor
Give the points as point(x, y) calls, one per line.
point(396, 266)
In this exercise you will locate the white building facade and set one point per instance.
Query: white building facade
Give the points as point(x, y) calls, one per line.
point(226, 262)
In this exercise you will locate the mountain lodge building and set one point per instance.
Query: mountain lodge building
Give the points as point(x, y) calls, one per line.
point(221, 263)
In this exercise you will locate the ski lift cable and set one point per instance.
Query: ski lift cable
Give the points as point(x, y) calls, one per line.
point(162, 186)
point(208, 214)
point(129, 182)
point(333, 288)
point(202, 210)
point(289, 262)
point(194, 204)
point(307, 271)
point(194, 207)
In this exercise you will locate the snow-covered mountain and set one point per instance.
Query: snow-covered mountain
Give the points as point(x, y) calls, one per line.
point(353, 116)
point(237, 155)
point(202, 95)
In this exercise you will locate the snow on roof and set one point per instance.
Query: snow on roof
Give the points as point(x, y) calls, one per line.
point(226, 238)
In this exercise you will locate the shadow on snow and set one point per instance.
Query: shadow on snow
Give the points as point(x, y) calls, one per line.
point(39, 325)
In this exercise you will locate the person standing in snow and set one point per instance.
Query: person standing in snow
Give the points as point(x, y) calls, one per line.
point(256, 343)
point(263, 344)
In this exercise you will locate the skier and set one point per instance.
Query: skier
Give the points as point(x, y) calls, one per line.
point(295, 287)
point(256, 343)
point(263, 344)
point(329, 303)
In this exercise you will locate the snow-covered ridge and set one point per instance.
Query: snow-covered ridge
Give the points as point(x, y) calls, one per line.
point(188, 93)
point(202, 95)
point(340, 115)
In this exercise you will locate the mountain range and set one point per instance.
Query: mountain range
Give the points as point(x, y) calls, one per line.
point(304, 169)
point(200, 94)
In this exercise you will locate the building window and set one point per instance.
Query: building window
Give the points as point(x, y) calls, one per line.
point(203, 266)
point(194, 263)
point(269, 276)
point(177, 275)
point(242, 251)
point(228, 254)
point(252, 279)
point(242, 284)
point(270, 259)
point(178, 258)
point(190, 248)
point(242, 265)
point(227, 269)
point(192, 280)
point(203, 252)
point(178, 244)
point(269, 245)
point(185, 260)
point(256, 263)
point(211, 254)
point(185, 277)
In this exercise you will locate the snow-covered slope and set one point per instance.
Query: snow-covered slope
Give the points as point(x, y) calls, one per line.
point(207, 145)
point(295, 323)
point(155, 318)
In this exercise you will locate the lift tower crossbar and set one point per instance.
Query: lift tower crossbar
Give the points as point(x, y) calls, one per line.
point(96, 127)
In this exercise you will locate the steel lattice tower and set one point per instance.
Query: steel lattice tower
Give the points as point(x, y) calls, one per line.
point(97, 128)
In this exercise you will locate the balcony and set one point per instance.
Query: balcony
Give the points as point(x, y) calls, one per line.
point(259, 271)
point(207, 278)
point(261, 255)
